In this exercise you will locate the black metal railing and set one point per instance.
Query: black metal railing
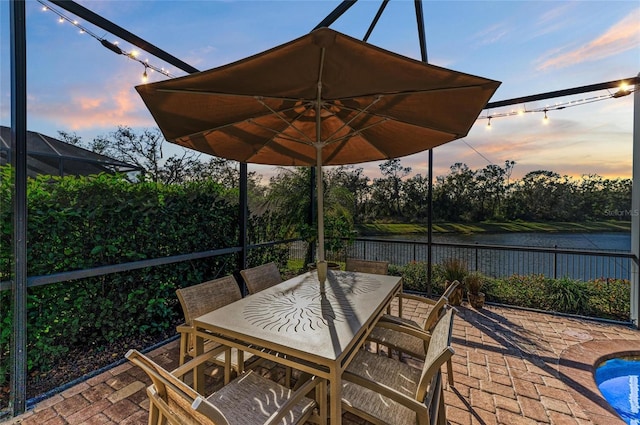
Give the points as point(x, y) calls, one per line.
point(500, 261)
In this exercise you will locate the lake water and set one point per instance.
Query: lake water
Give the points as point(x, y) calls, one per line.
point(605, 241)
point(500, 262)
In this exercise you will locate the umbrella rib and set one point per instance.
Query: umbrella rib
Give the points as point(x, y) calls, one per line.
point(397, 93)
point(348, 123)
point(277, 132)
point(289, 124)
point(214, 93)
point(251, 120)
point(433, 127)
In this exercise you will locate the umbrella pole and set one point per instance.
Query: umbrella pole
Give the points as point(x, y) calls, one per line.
point(321, 265)
point(320, 202)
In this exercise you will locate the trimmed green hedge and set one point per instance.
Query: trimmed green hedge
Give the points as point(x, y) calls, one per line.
point(602, 298)
point(77, 223)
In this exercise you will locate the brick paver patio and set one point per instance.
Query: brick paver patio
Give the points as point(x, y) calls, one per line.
point(511, 367)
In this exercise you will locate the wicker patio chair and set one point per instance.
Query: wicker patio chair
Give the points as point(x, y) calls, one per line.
point(200, 299)
point(261, 277)
point(249, 399)
point(367, 266)
point(427, 303)
point(408, 336)
point(385, 391)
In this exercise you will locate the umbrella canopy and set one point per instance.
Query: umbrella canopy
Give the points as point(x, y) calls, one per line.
point(322, 99)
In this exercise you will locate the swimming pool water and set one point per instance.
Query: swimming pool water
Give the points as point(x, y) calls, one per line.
point(618, 380)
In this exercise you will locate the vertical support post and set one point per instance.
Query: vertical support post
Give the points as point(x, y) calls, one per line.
point(312, 209)
point(430, 226)
point(635, 212)
point(18, 386)
point(242, 219)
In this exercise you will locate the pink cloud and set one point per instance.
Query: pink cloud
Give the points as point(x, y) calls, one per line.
point(108, 110)
point(623, 36)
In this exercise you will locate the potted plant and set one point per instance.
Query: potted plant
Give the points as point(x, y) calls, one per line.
point(473, 282)
point(454, 269)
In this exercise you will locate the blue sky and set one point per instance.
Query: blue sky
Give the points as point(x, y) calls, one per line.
point(76, 85)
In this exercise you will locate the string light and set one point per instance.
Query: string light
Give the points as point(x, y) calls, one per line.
point(624, 90)
point(145, 77)
point(113, 46)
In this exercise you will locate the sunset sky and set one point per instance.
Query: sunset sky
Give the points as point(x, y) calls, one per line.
point(76, 85)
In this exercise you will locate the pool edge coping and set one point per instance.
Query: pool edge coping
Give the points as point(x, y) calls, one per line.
point(576, 368)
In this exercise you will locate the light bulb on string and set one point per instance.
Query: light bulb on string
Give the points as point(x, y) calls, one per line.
point(145, 77)
point(545, 120)
point(488, 123)
point(113, 46)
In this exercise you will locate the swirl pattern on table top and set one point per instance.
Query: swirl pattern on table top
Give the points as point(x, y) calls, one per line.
point(303, 308)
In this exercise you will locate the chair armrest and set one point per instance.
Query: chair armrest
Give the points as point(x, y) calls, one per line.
point(184, 328)
point(295, 398)
point(398, 320)
point(386, 391)
point(417, 298)
point(408, 330)
point(197, 361)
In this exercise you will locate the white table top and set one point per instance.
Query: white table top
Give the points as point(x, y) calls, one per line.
point(295, 318)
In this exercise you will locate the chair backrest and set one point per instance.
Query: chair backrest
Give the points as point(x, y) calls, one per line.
point(367, 266)
point(438, 308)
point(204, 297)
point(438, 352)
point(172, 396)
point(449, 289)
point(261, 277)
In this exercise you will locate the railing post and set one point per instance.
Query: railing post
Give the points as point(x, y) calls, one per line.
point(635, 213)
point(555, 262)
point(476, 256)
point(18, 349)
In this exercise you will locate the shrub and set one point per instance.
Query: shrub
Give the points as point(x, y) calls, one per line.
point(474, 281)
point(77, 223)
point(414, 276)
point(454, 269)
point(568, 295)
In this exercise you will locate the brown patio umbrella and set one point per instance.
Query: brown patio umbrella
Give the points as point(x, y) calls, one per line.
point(322, 99)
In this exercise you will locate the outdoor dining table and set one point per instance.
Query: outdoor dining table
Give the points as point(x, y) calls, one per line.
point(299, 325)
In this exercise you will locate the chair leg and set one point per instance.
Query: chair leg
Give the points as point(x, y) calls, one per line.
point(184, 344)
point(240, 360)
point(442, 413)
point(450, 373)
point(227, 366)
point(321, 399)
point(154, 414)
point(287, 377)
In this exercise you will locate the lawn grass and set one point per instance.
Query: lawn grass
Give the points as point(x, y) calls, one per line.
point(371, 229)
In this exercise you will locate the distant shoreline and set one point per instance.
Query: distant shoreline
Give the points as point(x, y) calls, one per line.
point(377, 229)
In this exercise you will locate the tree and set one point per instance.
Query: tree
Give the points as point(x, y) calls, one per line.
point(288, 197)
point(355, 183)
point(416, 193)
point(145, 150)
point(491, 188)
point(387, 191)
point(543, 195)
point(453, 194)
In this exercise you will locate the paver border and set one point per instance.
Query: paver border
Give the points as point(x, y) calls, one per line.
point(576, 367)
